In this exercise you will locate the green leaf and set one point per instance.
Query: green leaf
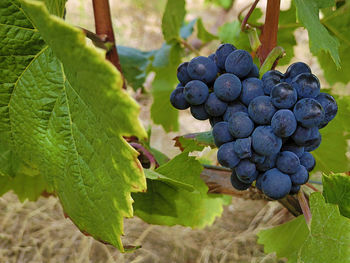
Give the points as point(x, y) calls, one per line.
point(187, 29)
point(134, 63)
point(192, 208)
point(336, 190)
point(173, 17)
point(319, 37)
point(338, 23)
point(328, 239)
point(166, 61)
point(226, 4)
point(195, 141)
point(331, 155)
point(231, 33)
point(203, 34)
point(55, 123)
point(55, 7)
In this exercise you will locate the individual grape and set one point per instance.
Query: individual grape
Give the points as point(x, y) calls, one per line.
point(243, 148)
point(267, 164)
point(182, 74)
point(265, 142)
point(296, 69)
point(309, 112)
point(254, 72)
point(261, 110)
point(330, 107)
point(221, 54)
point(203, 69)
point(292, 147)
point(221, 133)
point(238, 184)
point(226, 155)
point(287, 162)
point(196, 92)
point(259, 181)
point(212, 57)
point(198, 112)
point(177, 99)
point(246, 171)
point(270, 79)
point(307, 85)
point(283, 123)
point(240, 125)
point(214, 106)
point(215, 120)
point(234, 107)
point(301, 176)
point(314, 144)
point(294, 190)
point(308, 161)
point(283, 96)
point(251, 88)
point(276, 184)
point(257, 158)
point(250, 179)
point(227, 87)
point(239, 62)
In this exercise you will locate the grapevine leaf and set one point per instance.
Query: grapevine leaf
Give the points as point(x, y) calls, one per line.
point(192, 208)
point(195, 141)
point(255, 17)
point(336, 190)
point(319, 37)
point(231, 33)
point(55, 7)
point(327, 240)
point(173, 17)
point(226, 4)
point(54, 96)
point(331, 155)
point(187, 29)
point(338, 23)
point(160, 157)
point(203, 34)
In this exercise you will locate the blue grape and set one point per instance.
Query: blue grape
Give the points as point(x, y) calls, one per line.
point(227, 87)
point(177, 99)
point(226, 155)
point(243, 148)
point(238, 184)
point(294, 190)
point(276, 184)
point(259, 181)
point(309, 112)
point(268, 163)
point(292, 147)
point(305, 136)
point(221, 54)
point(182, 74)
point(239, 62)
point(314, 143)
point(212, 57)
point(307, 85)
point(196, 92)
point(198, 112)
point(203, 69)
point(287, 162)
point(296, 69)
point(283, 96)
point(234, 107)
point(330, 107)
point(301, 176)
point(251, 88)
point(257, 158)
point(215, 120)
point(283, 123)
point(246, 171)
point(261, 110)
point(254, 72)
point(308, 161)
point(270, 79)
point(221, 133)
point(250, 179)
point(214, 106)
point(265, 142)
point(240, 125)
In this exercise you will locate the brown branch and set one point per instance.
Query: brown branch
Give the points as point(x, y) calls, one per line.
point(304, 206)
point(245, 20)
point(268, 36)
point(103, 26)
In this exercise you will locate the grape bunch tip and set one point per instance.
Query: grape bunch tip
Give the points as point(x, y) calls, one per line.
point(264, 128)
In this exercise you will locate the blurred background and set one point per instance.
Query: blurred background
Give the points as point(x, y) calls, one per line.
point(38, 232)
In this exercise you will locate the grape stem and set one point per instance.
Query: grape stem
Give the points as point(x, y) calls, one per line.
point(103, 26)
point(98, 41)
point(189, 46)
point(245, 20)
point(146, 153)
point(304, 207)
point(312, 187)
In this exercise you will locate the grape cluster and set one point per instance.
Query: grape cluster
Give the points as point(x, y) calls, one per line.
point(265, 128)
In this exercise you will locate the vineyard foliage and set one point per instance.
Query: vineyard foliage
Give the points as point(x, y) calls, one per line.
point(64, 116)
